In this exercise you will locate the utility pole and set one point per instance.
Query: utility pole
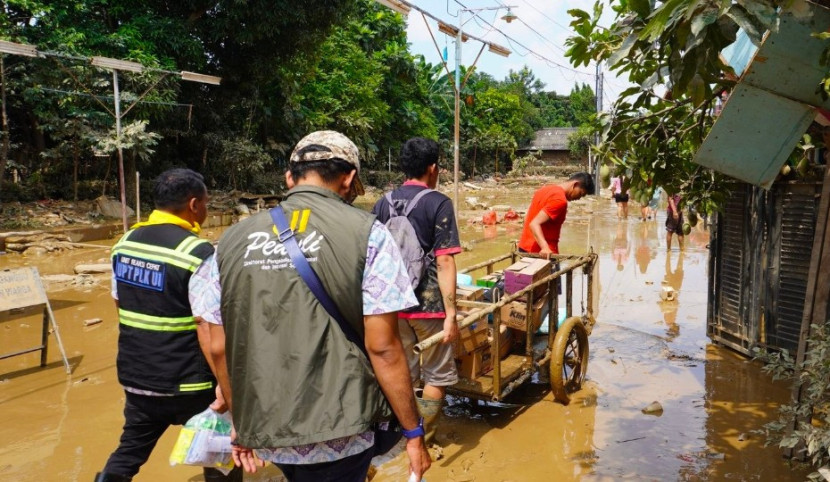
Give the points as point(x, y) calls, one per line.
point(459, 37)
point(598, 96)
point(117, 93)
point(4, 121)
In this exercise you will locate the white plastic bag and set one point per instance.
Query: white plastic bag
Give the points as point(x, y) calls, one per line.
point(205, 440)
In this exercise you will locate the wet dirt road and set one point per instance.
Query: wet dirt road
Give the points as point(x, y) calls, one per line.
point(62, 428)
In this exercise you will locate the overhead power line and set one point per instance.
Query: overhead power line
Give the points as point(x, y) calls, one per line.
point(550, 42)
point(440, 22)
point(513, 41)
point(547, 17)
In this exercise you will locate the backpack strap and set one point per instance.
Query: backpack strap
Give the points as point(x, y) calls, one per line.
point(414, 201)
point(393, 211)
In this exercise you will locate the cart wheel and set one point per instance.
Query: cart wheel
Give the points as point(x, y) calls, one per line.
point(569, 359)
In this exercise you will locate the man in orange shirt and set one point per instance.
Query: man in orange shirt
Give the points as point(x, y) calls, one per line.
point(547, 213)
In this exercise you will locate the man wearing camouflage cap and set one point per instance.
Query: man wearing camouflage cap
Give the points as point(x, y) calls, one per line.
point(301, 394)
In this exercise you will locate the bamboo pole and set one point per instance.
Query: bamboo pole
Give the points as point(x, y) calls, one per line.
point(485, 264)
point(496, 355)
point(137, 197)
point(473, 317)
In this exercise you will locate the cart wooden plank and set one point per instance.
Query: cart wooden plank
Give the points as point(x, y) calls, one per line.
point(482, 387)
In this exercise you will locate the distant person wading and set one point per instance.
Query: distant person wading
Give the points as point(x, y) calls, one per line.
point(619, 193)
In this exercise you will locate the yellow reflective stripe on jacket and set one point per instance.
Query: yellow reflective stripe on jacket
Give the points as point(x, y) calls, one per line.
point(183, 246)
point(190, 243)
point(122, 240)
point(156, 253)
point(194, 387)
point(156, 323)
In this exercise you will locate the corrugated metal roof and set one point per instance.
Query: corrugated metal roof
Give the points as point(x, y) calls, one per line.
point(551, 139)
point(773, 104)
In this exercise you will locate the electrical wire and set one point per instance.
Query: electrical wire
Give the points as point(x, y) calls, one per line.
point(547, 17)
point(608, 84)
point(562, 70)
point(512, 41)
point(549, 41)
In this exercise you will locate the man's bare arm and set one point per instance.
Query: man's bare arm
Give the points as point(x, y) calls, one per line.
point(536, 228)
point(385, 350)
point(446, 283)
point(217, 357)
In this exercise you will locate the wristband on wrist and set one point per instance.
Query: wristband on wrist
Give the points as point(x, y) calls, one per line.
point(415, 432)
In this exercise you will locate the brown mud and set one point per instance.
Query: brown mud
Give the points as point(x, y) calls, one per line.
point(59, 427)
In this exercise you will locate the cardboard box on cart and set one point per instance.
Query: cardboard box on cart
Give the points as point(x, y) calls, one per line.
point(469, 293)
point(471, 338)
point(525, 272)
point(475, 363)
point(515, 315)
point(505, 340)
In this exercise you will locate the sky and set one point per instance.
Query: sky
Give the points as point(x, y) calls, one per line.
point(542, 27)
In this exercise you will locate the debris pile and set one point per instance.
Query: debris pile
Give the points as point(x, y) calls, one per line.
point(111, 208)
point(34, 243)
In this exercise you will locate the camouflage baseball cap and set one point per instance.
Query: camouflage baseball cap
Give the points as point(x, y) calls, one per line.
point(325, 145)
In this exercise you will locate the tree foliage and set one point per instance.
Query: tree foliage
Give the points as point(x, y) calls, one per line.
point(671, 51)
point(246, 43)
point(803, 425)
point(287, 68)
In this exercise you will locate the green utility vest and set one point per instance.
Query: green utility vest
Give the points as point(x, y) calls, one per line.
point(158, 349)
point(296, 378)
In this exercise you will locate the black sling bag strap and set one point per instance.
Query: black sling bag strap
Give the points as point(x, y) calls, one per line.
point(286, 236)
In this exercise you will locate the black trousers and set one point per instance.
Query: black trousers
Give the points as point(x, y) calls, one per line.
point(146, 419)
point(350, 469)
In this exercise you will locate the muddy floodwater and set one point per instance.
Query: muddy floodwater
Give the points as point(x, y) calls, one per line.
point(59, 427)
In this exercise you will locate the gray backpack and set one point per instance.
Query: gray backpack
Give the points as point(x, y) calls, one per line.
point(406, 238)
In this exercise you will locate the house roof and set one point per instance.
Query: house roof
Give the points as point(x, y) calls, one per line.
point(551, 139)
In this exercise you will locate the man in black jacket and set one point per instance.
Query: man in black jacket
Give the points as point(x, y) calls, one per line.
point(160, 363)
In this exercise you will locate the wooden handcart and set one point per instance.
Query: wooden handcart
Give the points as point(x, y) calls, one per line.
point(566, 354)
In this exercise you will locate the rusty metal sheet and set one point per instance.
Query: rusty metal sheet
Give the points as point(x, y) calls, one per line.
point(774, 102)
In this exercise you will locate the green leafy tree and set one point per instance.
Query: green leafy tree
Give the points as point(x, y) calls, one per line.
point(137, 143)
point(581, 141)
point(246, 43)
point(671, 51)
point(582, 106)
point(74, 135)
point(366, 84)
